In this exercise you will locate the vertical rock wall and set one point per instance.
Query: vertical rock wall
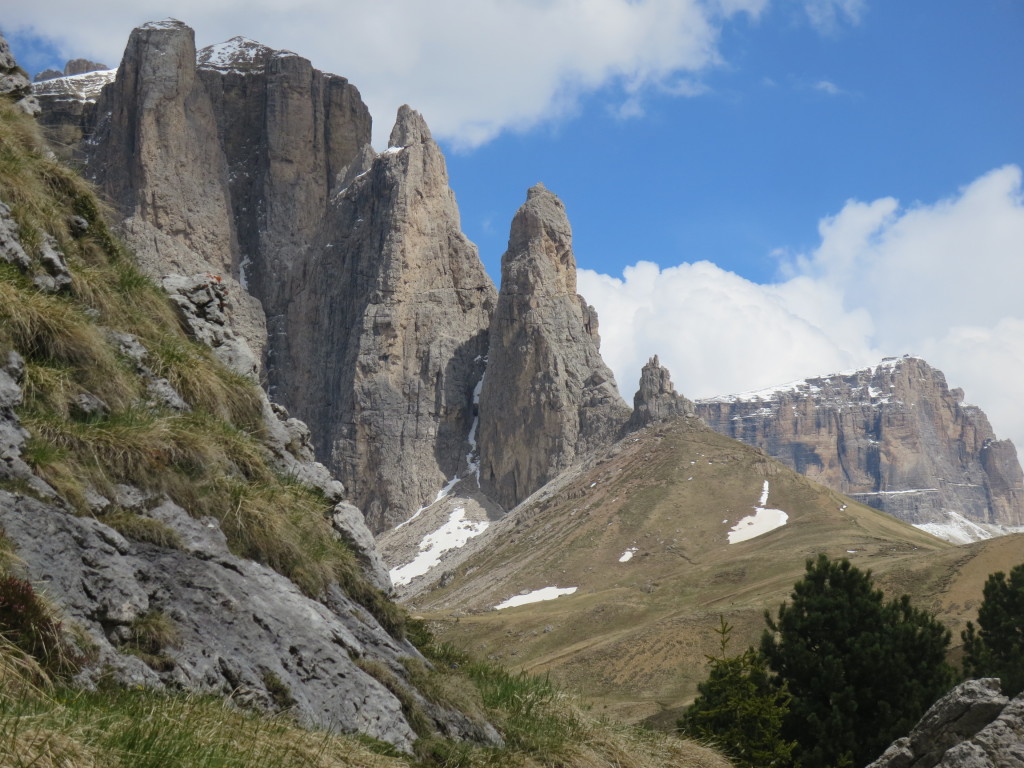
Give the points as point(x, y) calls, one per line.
point(399, 295)
point(548, 397)
point(347, 271)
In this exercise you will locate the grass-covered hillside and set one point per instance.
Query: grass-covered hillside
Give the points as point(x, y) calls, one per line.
point(644, 537)
point(98, 424)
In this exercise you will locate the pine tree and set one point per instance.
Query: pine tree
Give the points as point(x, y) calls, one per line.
point(997, 648)
point(739, 709)
point(861, 671)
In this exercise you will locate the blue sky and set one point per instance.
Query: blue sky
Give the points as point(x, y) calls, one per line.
point(760, 190)
point(925, 97)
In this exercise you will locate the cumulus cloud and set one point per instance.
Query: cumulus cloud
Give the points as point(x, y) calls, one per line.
point(940, 280)
point(473, 69)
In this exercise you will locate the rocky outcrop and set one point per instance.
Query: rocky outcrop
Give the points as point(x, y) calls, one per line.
point(548, 397)
point(398, 295)
point(972, 726)
point(14, 83)
point(200, 301)
point(893, 436)
point(657, 399)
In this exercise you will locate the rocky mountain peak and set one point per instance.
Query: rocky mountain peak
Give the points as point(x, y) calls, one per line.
point(656, 399)
point(71, 68)
point(548, 398)
point(892, 435)
point(238, 54)
point(410, 128)
point(540, 247)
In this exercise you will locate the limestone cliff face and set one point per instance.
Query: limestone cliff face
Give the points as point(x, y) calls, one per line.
point(547, 396)
point(399, 295)
point(893, 436)
point(151, 144)
point(657, 399)
point(346, 273)
point(286, 130)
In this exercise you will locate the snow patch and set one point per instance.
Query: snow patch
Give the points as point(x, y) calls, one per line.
point(537, 596)
point(452, 535)
point(761, 522)
point(392, 150)
point(959, 530)
point(627, 555)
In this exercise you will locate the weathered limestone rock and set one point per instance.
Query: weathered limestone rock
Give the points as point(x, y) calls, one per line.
point(202, 301)
point(398, 295)
point(149, 138)
point(893, 436)
point(972, 726)
point(547, 397)
point(657, 399)
point(249, 165)
point(240, 625)
point(14, 83)
point(285, 130)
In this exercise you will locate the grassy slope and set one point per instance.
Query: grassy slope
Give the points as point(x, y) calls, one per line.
point(210, 460)
point(634, 636)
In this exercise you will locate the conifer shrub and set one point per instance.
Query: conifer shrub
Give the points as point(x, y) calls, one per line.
point(739, 709)
point(861, 670)
point(996, 647)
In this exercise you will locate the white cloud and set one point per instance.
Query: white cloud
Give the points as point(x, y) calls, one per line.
point(473, 69)
point(827, 15)
point(827, 86)
point(941, 280)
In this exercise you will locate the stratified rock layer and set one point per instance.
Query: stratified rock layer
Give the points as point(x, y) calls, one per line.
point(547, 396)
point(399, 297)
point(893, 436)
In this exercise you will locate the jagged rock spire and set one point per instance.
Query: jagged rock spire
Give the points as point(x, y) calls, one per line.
point(656, 399)
point(410, 128)
point(547, 397)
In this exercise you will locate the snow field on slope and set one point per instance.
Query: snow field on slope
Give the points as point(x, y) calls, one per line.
point(537, 596)
point(452, 535)
point(761, 522)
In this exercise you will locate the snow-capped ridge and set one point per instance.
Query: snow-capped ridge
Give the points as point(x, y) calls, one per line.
point(848, 380)
point(238, 54)
point(85, 87)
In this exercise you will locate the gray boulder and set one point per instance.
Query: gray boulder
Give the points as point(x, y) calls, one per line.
point(972, 726)
point(240, 628)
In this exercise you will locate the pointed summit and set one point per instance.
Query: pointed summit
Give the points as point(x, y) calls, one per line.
point(410, 128)
point(548, 397)
point(657, 399)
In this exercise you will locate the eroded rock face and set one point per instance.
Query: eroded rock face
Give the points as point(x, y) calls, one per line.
point(398, 294)
point(972, 726)
point(893, 436)
point(547, 397)
point(657, 399)
point(250, 166)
